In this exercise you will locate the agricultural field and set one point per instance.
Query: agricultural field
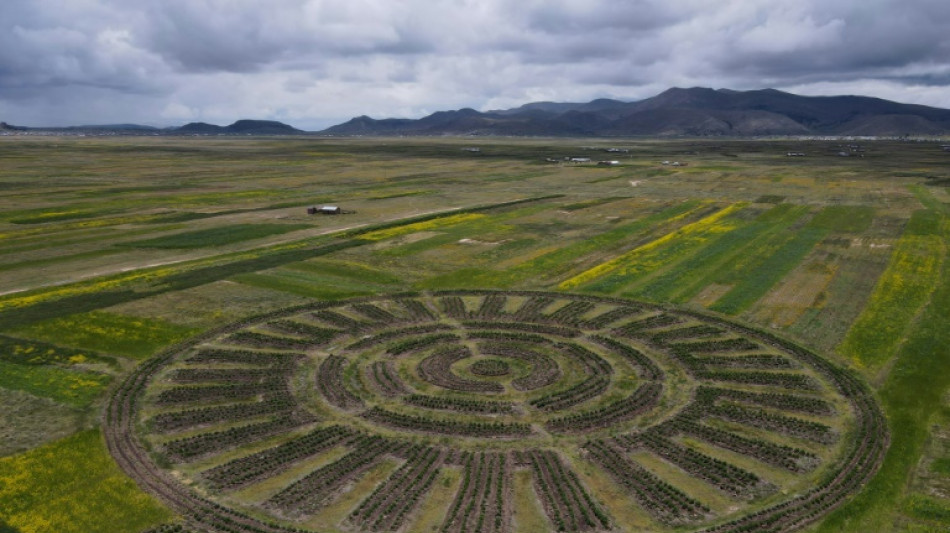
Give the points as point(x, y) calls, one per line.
point(485, 341)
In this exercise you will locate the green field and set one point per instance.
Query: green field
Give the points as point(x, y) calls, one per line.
point(114, 250)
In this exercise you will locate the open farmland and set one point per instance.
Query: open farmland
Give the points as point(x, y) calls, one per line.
point(489, 341)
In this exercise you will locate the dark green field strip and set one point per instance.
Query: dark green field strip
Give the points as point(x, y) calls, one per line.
point(912, 393)
point(757, 280)
point(639, 266)
point(36, 263)
point(312, 287)
point(562, 261)
point(844, 218)
point(846, 297)
point(717, 260)
point(218, 236)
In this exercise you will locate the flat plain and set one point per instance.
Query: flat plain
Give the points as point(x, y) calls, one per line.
point(742, 341)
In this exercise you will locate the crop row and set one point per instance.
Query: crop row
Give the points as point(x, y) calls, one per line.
point(755, 361)
point(339, 320)
point(191, 418)
point(446, 427)
point(245, 357)
point(532, 308)
point(460, 404)
point(272, 461)
point(663, 501)
point(259, 339)
point(418, 343)
point(735, 344)
point(491, 306)
point(583, 391)
point(190, 448)
point(795, 427)
point(436, 369)
point(859, 463)
point(316, 335)
point(689, 332)
point(785, 402)
point(637, 403)
point(648, 369)
point(418, 311)
point(773, 379)
point(566, 502)
point(726, 477)
point(481, 503)
point(384, 378)
point(376, 313)
point(571, 313)
point(230, 375)
point(609, 317)
point(511, 336)
point(635, 329)
point(454, 307)
point(330, 382)
point(529, 327)
point(787, 457)
point(215, 393)
point(307, 494)
point(392, 334)
point(544, 370)
point(593, 363)
point(132, 457)
point(387, 507)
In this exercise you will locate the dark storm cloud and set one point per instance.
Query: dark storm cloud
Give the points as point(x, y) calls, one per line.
point(314, 62)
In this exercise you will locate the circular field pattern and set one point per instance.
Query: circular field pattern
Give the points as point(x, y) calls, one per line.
point(495, 412)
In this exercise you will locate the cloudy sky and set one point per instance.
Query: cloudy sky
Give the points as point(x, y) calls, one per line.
point(314, 63)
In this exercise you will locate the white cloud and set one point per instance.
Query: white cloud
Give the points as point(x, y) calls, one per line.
point(316, 62)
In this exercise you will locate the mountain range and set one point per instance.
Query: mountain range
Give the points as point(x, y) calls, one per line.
point(675, 112)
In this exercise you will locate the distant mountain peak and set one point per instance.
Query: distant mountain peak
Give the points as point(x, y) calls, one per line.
point(243, 126)
point(677, 111)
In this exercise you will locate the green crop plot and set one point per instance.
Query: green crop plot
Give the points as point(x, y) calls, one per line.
point(72, 485)
point(109, 333)
point(217, 236)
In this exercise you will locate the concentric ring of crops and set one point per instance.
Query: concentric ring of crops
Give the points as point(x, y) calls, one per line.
point(608, 406)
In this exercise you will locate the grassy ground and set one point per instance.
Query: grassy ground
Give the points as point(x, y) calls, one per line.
point(112, 249)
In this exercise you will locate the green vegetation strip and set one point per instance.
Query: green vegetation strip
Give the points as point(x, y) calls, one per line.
point(681, 282)
point(218, 236)
point(755, 280)
point(632, 266)
point(69, 387)
point(558, 262)
point(905, 287)
point(912, 395)
point(73, 486)
point(110, 333)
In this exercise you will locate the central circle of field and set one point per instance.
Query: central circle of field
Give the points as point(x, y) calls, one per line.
point(490, 368)
point(348, 415)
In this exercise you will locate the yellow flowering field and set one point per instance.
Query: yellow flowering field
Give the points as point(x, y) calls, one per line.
point(911, 275)
point(109, 333)
point(610, 275)
point(73, 485)
point(388, 233)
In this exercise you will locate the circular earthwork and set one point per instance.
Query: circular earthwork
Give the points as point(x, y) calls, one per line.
point(457, 409)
